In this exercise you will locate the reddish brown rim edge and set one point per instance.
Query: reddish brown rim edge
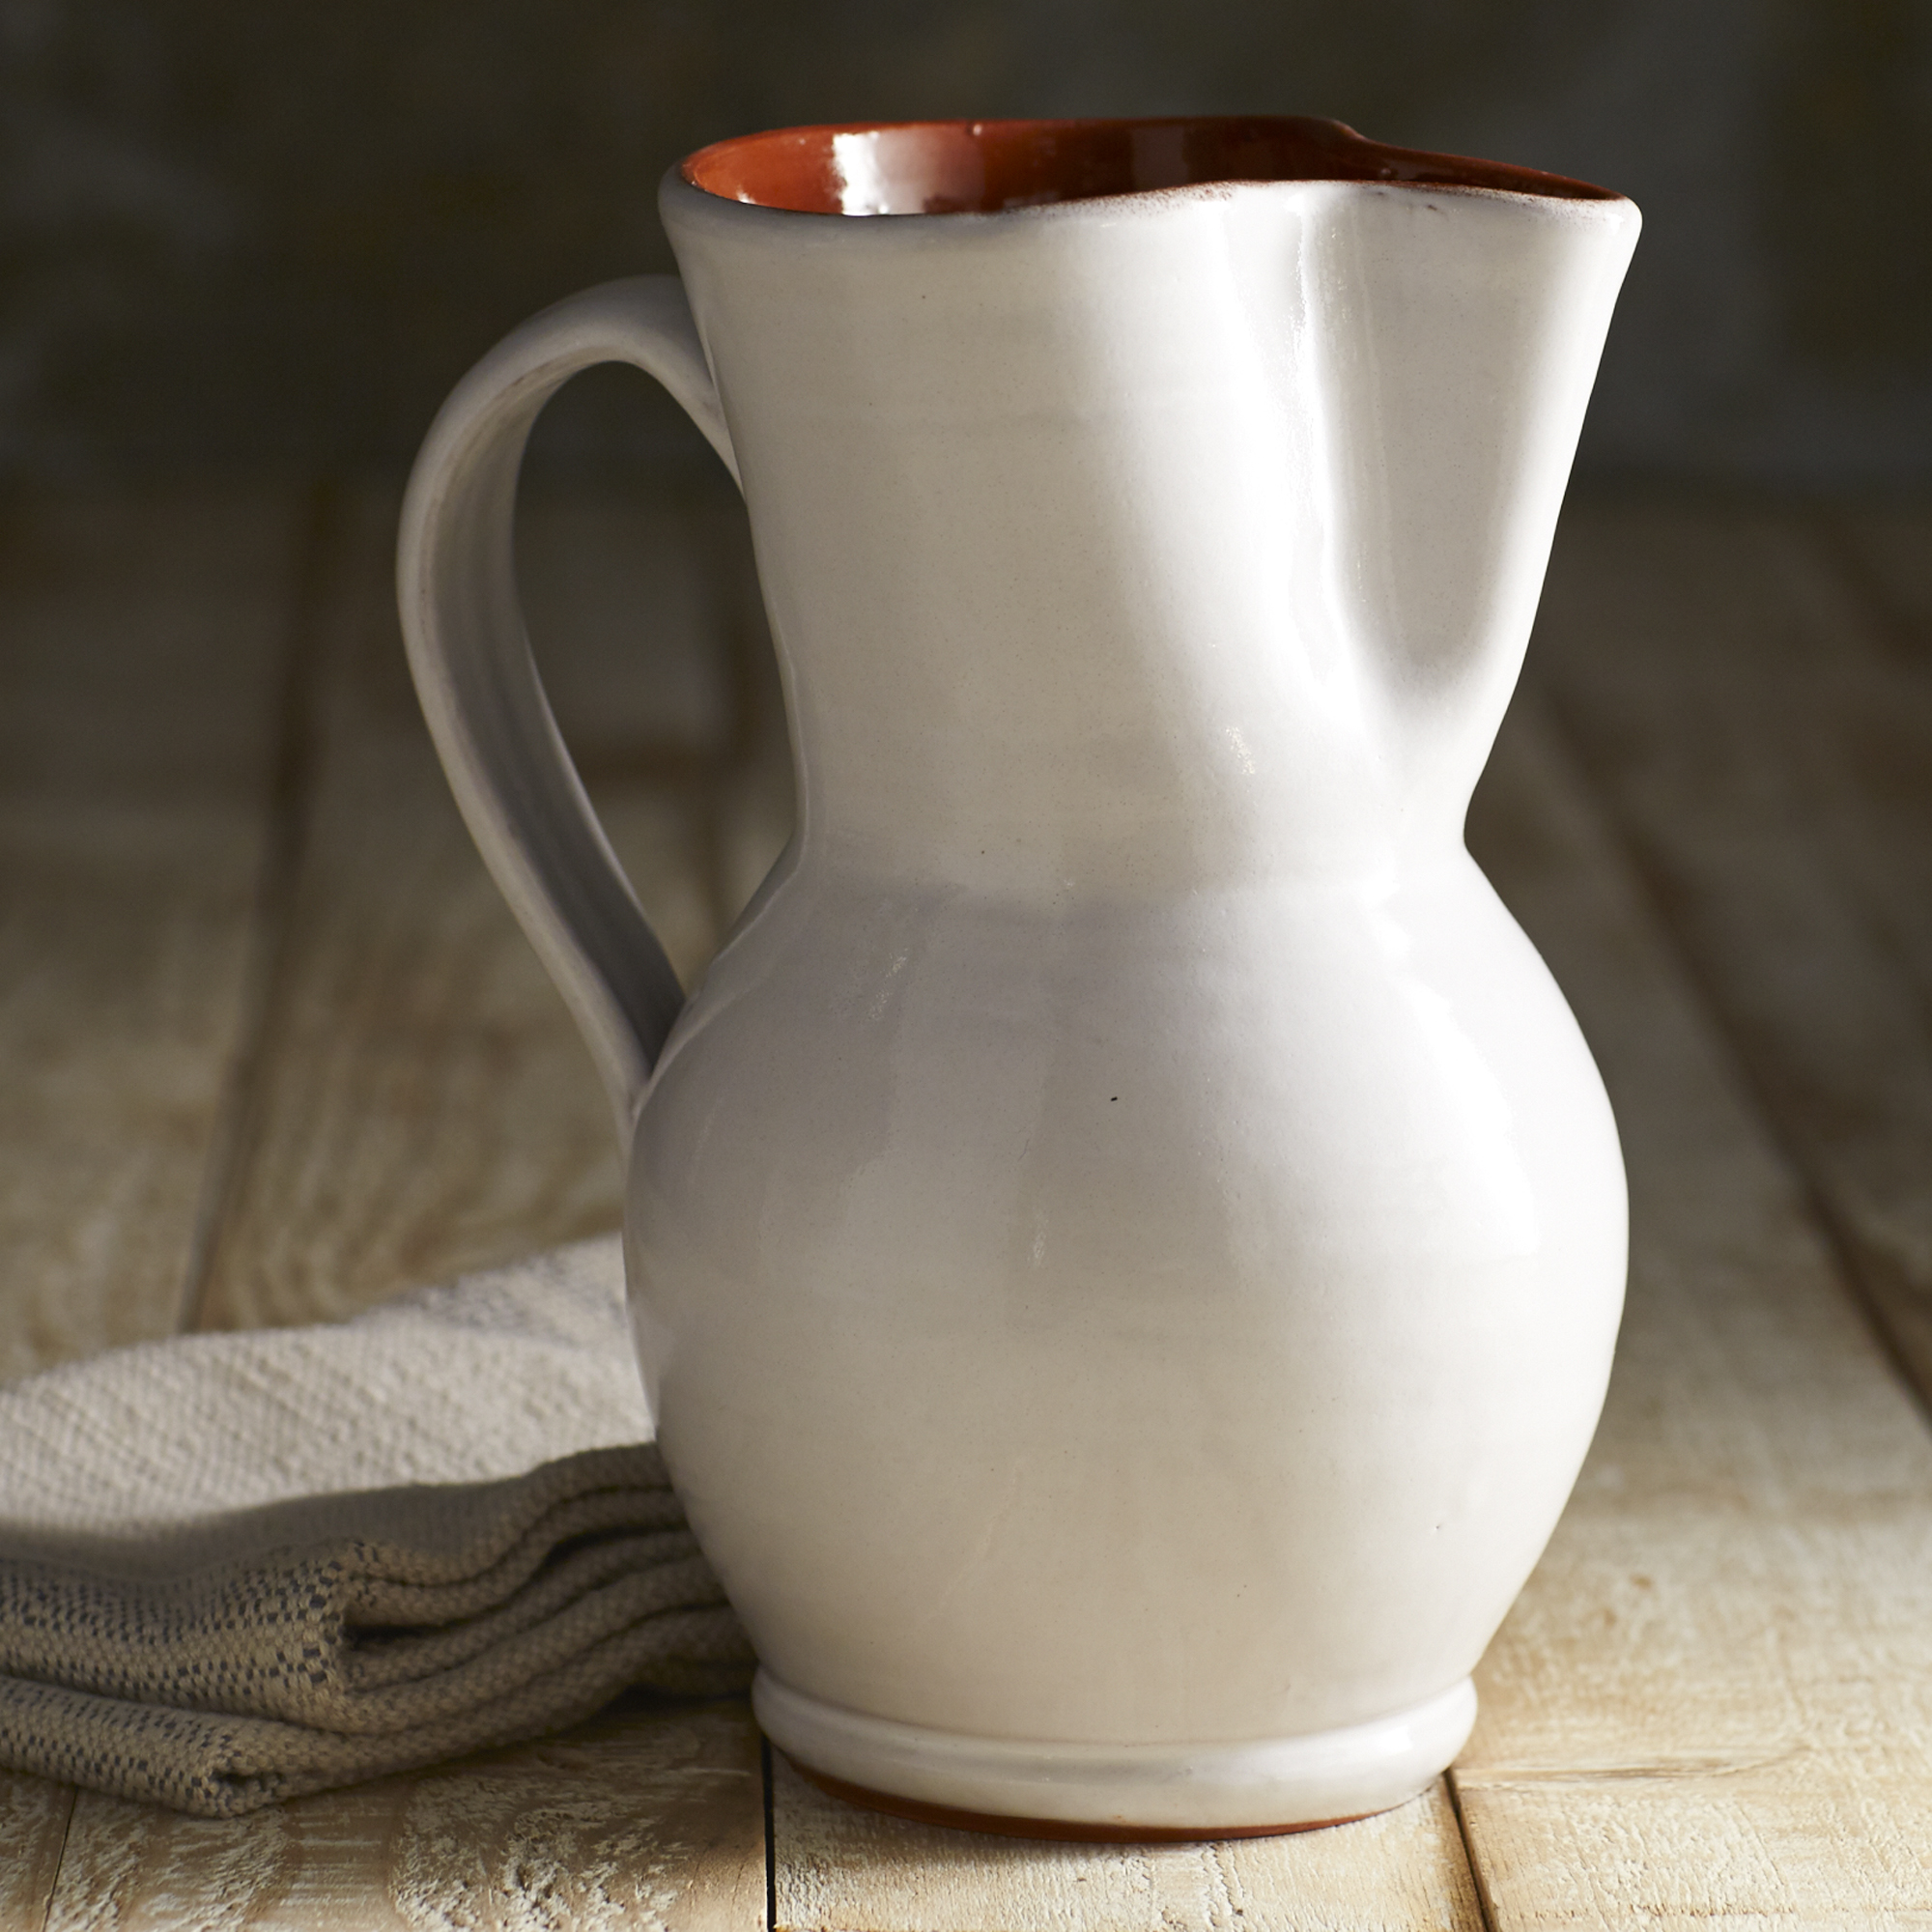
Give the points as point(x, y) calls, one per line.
point(1063, 1830)
point(746, 169)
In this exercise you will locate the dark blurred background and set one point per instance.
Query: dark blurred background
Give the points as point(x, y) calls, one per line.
point(254, 236)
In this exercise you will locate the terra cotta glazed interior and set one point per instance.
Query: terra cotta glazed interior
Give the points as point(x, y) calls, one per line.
point(980, 167)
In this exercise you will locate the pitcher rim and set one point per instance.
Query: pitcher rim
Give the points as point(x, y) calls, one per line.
point(797, 173)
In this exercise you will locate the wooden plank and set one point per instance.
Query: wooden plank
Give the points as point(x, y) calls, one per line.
point(629, 601)
point(1714, 1700)
point(1742, 696)
point(145, 636)
point(841, 1869)
point(1887, 548)
point(425, 1105)
point(1854, 719)
point(1769, 753)
point(649, 1818)
point(140, 718)
point(34, 1819)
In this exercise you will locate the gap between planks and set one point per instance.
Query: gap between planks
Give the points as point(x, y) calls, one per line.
point(286, 808)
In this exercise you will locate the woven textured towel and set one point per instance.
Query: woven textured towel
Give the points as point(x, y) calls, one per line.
point(234, 1567)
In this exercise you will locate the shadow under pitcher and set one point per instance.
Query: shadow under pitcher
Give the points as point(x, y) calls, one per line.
point(1125, 1242)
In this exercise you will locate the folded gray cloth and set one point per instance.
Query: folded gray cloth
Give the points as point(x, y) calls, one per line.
point(234, 1567)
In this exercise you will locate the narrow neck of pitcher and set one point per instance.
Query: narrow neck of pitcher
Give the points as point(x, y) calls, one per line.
point(1179, 804)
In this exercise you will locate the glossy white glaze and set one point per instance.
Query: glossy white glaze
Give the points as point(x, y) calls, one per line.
point(1126, 1240)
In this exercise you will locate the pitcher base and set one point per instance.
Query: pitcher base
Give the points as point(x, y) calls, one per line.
point(1131, 1793)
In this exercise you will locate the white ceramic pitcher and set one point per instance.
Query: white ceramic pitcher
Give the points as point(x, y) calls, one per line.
point(1126, 1240)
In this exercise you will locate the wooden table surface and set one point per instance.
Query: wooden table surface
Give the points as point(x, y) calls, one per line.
point(272, 1050)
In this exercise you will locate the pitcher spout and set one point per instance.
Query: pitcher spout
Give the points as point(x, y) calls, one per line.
point(1452, 338)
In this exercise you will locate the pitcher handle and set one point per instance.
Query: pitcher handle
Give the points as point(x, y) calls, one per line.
point(456, 583)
